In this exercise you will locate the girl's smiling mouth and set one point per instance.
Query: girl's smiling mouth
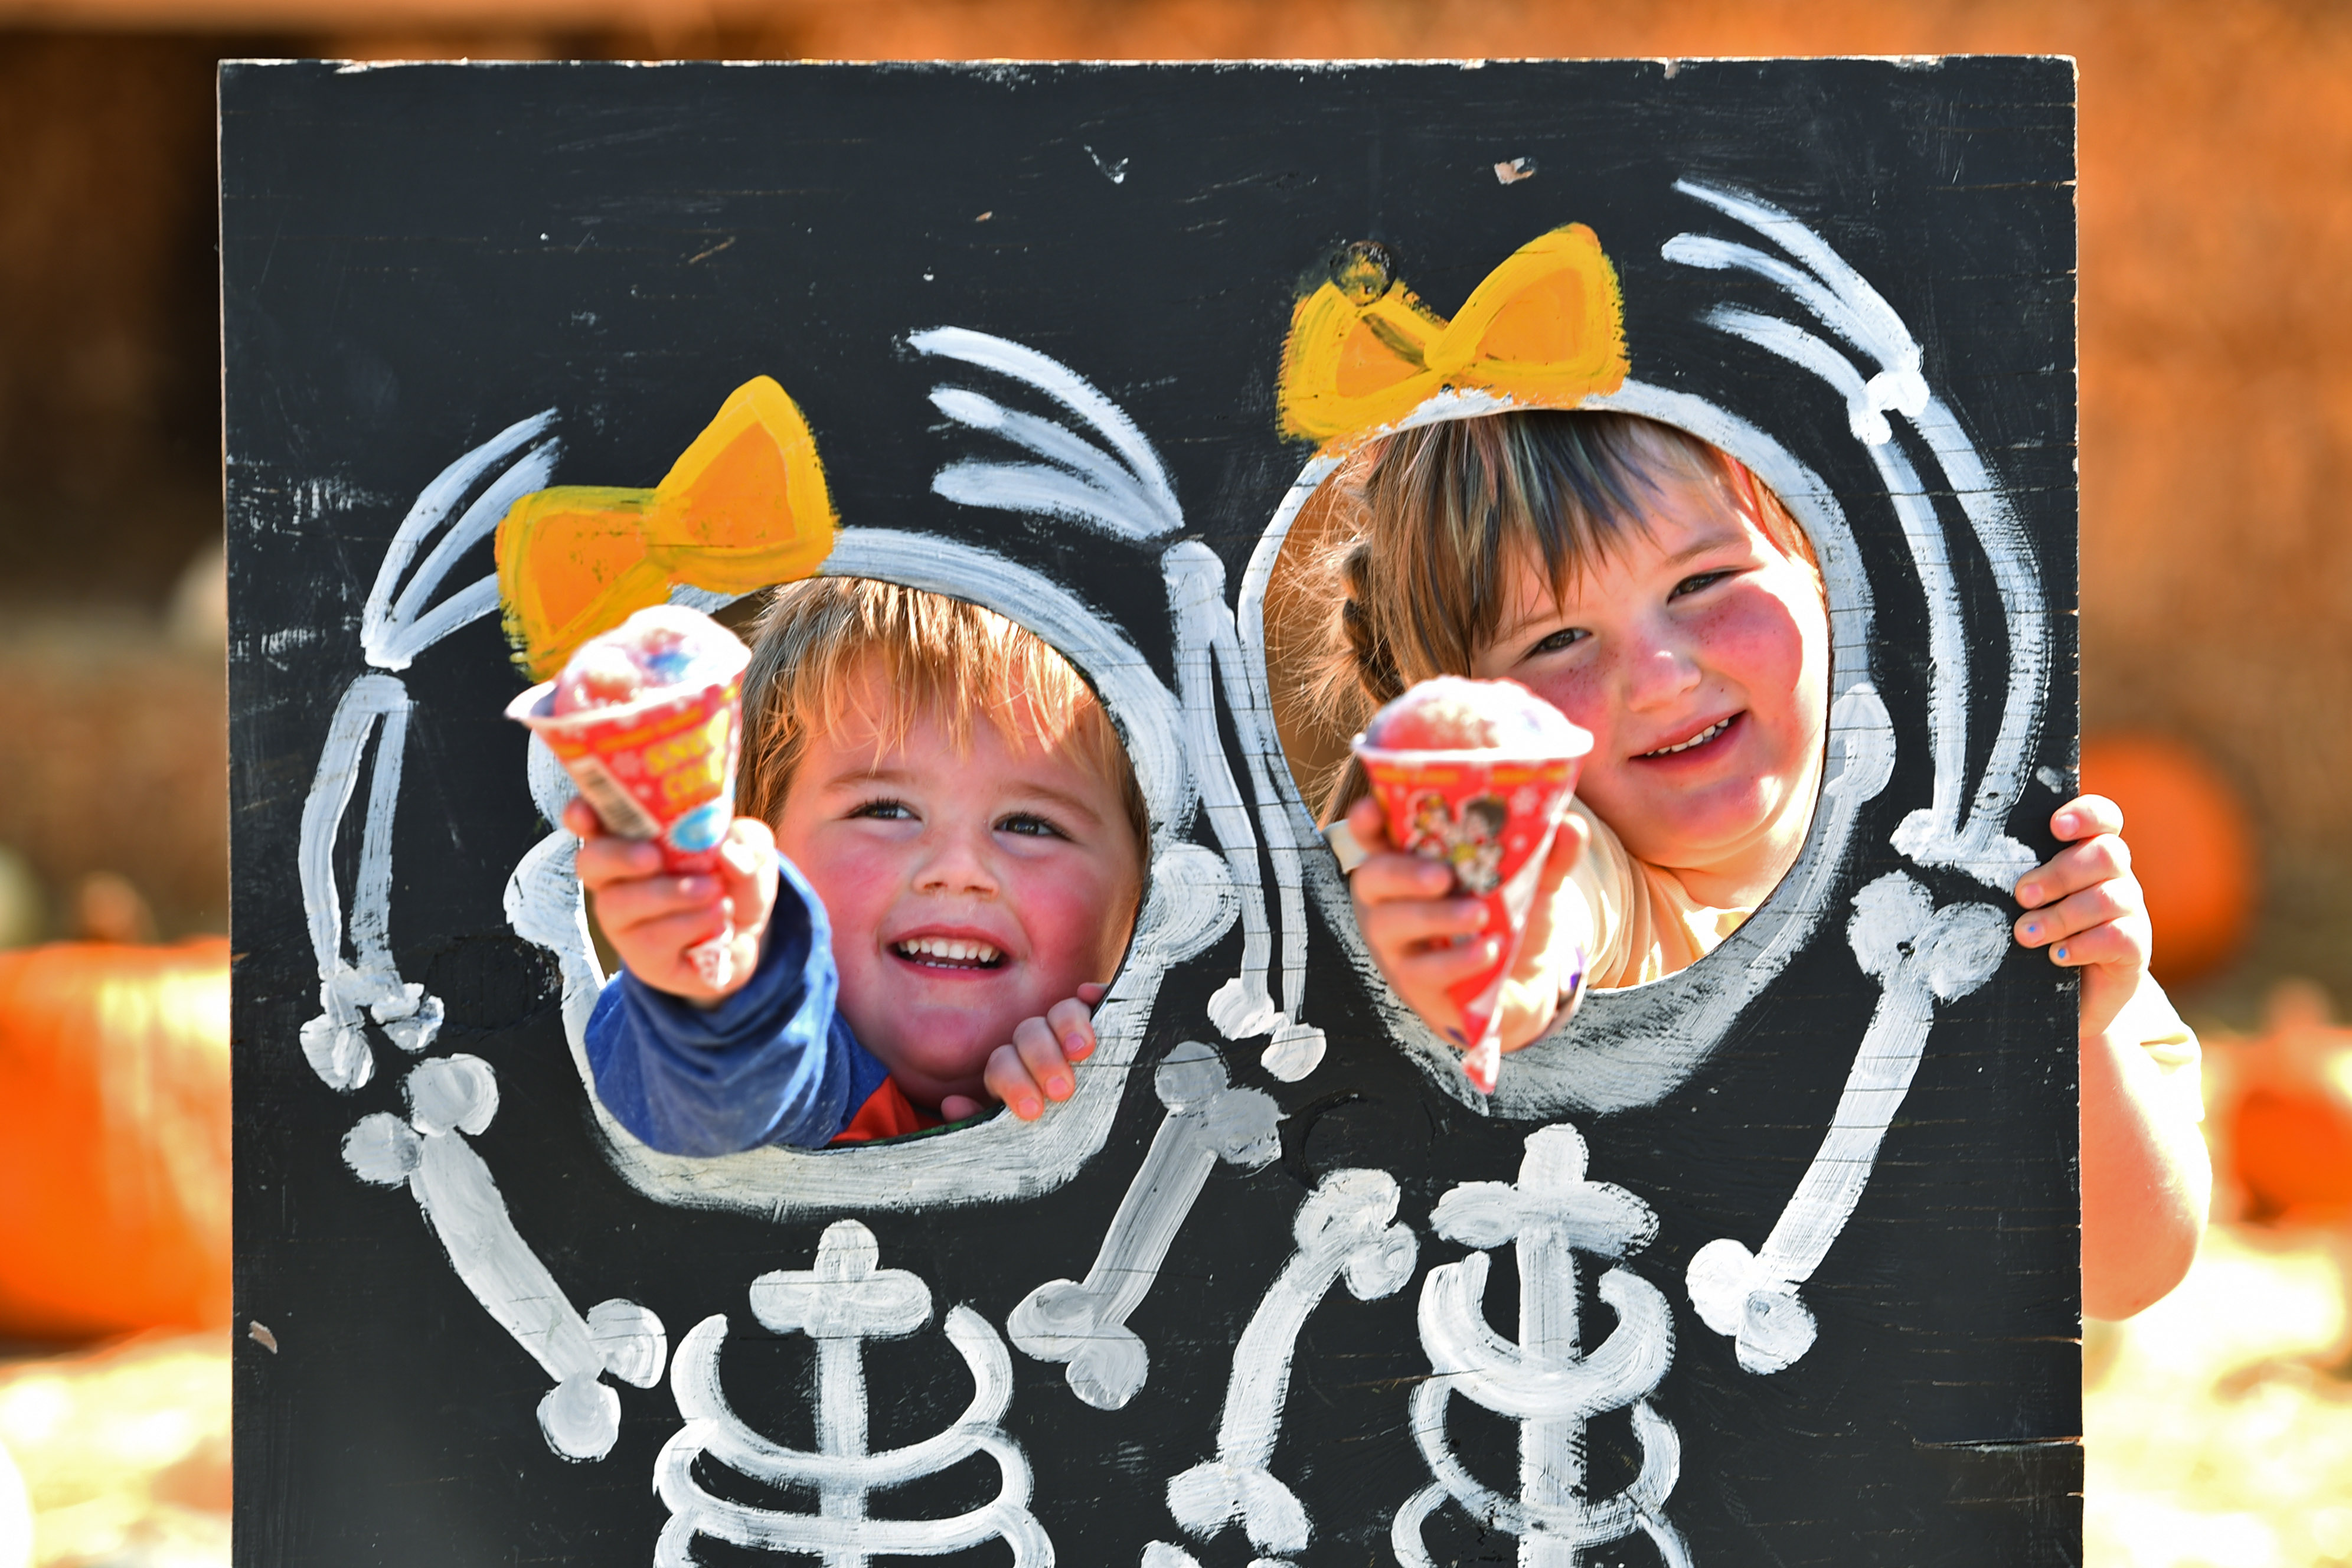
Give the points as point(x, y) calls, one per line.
point(947, 952)
point(1707, 736)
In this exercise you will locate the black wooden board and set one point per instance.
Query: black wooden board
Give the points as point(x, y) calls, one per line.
point(417, 258)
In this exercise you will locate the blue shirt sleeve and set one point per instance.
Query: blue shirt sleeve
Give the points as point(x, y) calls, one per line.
point(775, 1063)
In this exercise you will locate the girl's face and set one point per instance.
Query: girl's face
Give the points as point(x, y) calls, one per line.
point(1698, 657)
point(967, 890)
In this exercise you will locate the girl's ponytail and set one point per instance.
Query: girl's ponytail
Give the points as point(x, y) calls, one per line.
point(1371, 662)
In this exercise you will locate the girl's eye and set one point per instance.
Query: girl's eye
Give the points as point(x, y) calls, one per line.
point(1032, 826)
point(885, 810)
point(1567, 636)
point(1692, 585)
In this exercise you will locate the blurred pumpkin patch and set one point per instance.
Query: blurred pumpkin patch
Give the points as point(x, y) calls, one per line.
point(114, 1138)
point(2192, 846)
point(2284, 1110)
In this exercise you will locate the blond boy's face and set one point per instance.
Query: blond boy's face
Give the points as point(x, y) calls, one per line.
point(968, 890)
point(1699, 659)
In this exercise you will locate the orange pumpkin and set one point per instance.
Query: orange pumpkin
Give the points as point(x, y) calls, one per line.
point(114, 1138)
point(2192, 846)
point(2284, 1113)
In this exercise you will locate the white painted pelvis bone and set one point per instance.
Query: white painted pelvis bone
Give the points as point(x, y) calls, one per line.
point(1086, 1325)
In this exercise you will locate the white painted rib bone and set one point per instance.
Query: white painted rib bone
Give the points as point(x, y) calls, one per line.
point(392, 632)
point(852, 1542)
point(1575, 1525)
point(1510, 1382)
point(714, 1428)
point(842, 1300)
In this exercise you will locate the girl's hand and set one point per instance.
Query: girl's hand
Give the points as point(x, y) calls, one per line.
point(1424, 939)
point(1035, 1067)
point(652, 917)
point(2088, 909)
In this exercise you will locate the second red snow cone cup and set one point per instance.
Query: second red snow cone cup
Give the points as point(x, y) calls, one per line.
point(1490, 813)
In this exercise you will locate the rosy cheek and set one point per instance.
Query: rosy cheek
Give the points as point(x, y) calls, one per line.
point(1578, 692)
point(1756, 639)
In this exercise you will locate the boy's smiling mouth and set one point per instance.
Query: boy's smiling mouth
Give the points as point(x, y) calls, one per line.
point(947, 952)
point(1704, 736)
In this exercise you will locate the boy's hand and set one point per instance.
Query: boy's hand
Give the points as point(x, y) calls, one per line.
point(652, 917)
point(2088, 909)
point(1413, 923)
point(1035, 1067)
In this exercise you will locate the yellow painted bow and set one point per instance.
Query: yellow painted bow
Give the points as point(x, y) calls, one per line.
point(746, 506)
point(1546, 329)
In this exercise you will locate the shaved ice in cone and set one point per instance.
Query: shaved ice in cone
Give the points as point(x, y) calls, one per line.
point(1478, 774)
point(648, 720)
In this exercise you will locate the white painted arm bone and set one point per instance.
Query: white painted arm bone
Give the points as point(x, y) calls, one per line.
point(1085, 1325)
point(1920, 955)
point(1345, 1230)
point(369, 984)
point(1206, 648)
point(580, 1417)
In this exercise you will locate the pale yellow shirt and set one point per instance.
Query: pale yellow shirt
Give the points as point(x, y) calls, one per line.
point(1639, 924)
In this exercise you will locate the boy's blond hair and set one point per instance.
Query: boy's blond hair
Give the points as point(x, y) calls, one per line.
point(936, 656)
point(1441, 513)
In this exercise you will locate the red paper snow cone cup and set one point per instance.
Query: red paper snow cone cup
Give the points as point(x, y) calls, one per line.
point(661, 767)
point(1492, 817)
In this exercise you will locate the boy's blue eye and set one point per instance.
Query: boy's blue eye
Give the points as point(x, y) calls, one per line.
point(886, 810)
point(1035, 827)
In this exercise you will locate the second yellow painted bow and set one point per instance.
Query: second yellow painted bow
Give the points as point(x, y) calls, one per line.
point(1546, 328)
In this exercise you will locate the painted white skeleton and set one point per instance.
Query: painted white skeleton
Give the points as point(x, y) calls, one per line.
point(1624, 1051)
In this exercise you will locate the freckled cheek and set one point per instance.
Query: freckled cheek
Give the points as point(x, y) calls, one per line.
point(1758, 644)
point(1580, 694)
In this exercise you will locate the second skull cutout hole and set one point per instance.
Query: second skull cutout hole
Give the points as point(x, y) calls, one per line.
point(1641, 580)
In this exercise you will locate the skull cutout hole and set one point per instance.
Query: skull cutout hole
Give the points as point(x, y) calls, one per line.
point(1642, 581)
point(961, 843)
